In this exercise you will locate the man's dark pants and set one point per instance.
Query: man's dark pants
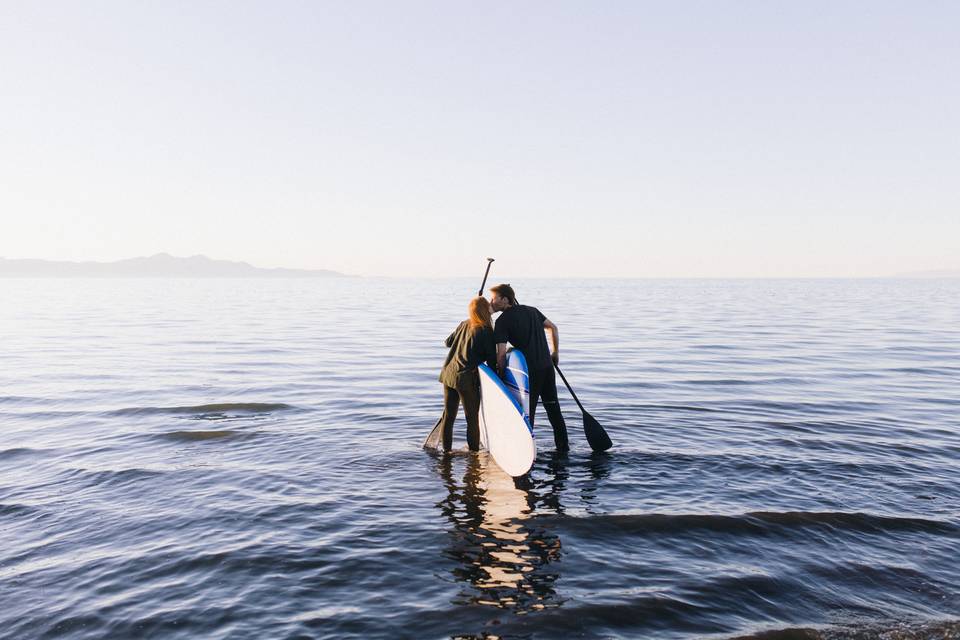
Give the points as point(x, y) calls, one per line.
point(543, 385)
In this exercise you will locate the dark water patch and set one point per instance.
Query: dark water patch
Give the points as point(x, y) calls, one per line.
point(221, 409)
point(947, 400)
point(20, 452)
point(785, 381)
point(50, 414)
point(797, 426)
point(859, 374)
point(204, 435)
point(928, 371)
point(24, 400)
point(856, 521)
point(113, 478)
point(228, 417)
point(752, 523)
point(13, 509)
point(714, 347)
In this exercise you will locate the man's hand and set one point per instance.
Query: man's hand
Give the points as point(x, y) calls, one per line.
point(501, 358)
point(555, 338)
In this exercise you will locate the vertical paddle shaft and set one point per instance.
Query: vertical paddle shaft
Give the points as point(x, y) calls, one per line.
point(485, 274)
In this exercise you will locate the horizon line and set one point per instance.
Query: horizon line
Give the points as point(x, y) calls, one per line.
point(919, 274)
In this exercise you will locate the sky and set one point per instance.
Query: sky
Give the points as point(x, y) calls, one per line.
point(587, 139)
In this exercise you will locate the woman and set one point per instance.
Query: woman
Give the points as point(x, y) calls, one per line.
point(470, 344)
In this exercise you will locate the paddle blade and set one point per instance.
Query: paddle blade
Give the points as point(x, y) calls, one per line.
point(596, 434)
point(435, 439)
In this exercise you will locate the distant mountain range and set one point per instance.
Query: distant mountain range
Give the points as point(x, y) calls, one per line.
point(161, 265)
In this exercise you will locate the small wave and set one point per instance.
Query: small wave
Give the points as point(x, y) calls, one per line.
point(932, 371)
point(200, 436)
point(854, 520)
point(753, 522)
point(677, 407)
point(720, 382)
point(18, 399)
point(115, 477)
point(15, 509)
point(799, 633)
point(18, 452)
point(207, 409)
point(714, 347)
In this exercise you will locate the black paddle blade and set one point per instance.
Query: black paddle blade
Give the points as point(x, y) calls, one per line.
point(596, 434)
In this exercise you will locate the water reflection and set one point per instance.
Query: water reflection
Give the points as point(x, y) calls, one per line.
point(502, 556)
point(598, 466)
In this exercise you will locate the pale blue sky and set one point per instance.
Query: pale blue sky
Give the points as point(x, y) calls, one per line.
point(413, 138)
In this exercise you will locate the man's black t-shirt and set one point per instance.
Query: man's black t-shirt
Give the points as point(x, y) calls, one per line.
point(522, 326)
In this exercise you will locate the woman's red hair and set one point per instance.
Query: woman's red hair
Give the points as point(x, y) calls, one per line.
point(479, 310)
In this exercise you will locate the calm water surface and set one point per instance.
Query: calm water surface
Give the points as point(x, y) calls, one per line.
point(241, 459)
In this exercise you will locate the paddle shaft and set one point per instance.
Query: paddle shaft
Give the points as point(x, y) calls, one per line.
point(485, 274)
point(596, 434)
point(569, 388)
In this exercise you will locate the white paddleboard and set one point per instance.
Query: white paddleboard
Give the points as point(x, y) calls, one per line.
point(504, 430)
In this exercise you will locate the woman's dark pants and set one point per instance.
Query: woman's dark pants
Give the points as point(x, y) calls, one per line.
point(467, 392)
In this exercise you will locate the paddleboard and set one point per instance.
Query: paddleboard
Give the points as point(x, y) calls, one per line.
point(517, 379)
point(504, 429)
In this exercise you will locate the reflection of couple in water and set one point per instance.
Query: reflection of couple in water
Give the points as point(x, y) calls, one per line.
point(477, 340)
point(501, 554)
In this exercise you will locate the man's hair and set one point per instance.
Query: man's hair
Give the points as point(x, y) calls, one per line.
point(506, 291)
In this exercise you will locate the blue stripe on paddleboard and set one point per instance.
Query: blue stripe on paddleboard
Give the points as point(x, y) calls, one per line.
point(520, 371)
point(516, 358)
point(516, 403)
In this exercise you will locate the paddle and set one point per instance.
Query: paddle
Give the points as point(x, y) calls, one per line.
point(486, 273)
point(596, 434)
point(433, 438)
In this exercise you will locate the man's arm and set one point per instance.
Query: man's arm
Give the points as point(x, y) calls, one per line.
point(555, 337)
point(501, 357)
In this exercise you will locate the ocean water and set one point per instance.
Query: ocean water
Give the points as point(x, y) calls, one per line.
point(241, 459)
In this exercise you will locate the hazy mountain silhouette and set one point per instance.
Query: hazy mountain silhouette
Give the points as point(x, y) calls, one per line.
point(161, 265)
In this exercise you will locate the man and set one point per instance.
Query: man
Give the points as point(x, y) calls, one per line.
point(523, 327)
